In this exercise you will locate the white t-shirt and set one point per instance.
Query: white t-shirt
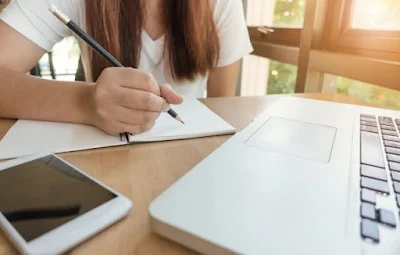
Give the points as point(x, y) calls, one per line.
point(33, 19)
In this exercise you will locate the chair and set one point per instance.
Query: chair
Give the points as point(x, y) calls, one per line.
point(36, 70)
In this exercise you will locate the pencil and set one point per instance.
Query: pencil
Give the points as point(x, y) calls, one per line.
point(99, 49)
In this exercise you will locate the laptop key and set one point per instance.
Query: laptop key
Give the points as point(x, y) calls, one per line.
point(394, 166)
point(368, 196)
point(370, 230)
point(368, 123)
point(368, 211)
point(386, 121)
point(396, 176)
point(388, 132)
point(387, 217)
point(376, 185)
point(383, 118)
point(398, 122)
point(370, 129)
point(396, 186)
point(386, 127)
point(392, 144)
point(371, 152)
point(392, 150)
point(391, 138)
point(363, 115)
point(393, 158)
point(368, 119)
point(373, 172)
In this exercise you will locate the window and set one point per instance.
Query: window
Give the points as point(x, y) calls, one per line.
point(367, 27)
point(289, 13)
point(376, 14)
point(330, 45)
point(259, 74)
point(277, 13)
point(282, 78)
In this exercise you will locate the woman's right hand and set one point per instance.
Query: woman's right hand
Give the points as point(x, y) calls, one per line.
point(129, 100)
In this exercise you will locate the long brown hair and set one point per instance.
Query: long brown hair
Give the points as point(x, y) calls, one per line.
point(191, 43)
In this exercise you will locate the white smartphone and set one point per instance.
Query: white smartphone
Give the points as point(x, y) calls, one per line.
point(48, 206)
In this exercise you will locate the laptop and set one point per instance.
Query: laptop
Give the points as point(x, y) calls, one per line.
point(305, 177)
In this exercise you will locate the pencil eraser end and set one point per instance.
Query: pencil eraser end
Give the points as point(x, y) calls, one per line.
point(53, 8)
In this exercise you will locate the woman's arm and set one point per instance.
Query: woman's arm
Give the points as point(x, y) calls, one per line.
point(222, 81)
point(122, 100)
point(24, 96)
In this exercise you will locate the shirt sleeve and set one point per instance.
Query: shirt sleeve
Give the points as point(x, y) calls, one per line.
point(32, 19)
point(232, 29)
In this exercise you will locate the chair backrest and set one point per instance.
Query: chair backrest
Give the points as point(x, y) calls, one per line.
point(36, 70)
point(80, 73)
point(79, 76)
point(3, 4)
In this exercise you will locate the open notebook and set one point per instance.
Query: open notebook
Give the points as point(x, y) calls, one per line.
point(28, 137)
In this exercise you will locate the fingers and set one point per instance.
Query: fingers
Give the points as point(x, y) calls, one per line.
point(133, 79)
point(141, 100)
point(134, 117)
point(170, 95)
point(129, 100)
point(133, 129)
point(115, 128)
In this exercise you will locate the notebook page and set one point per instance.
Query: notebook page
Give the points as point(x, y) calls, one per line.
point(199, 122)
point(29, 137)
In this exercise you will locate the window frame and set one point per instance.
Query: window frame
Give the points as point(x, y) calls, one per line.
point(344, 38)
point(352, 51)
point(285, 36)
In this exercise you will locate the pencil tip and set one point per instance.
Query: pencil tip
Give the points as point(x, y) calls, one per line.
point(180, 120)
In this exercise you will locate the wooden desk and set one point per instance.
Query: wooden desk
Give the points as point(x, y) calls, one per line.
point(133, 171)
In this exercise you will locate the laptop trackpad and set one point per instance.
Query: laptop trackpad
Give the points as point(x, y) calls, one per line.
point(295, 138)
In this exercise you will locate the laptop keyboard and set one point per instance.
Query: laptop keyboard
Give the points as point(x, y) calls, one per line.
point(379, 139)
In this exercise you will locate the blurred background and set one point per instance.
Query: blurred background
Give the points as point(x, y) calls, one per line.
point(351, 47)
point(370, 19)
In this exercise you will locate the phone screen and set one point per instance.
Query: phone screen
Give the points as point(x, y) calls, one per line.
point(41, 195)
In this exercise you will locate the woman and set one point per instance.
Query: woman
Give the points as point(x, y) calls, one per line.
point(175, 48)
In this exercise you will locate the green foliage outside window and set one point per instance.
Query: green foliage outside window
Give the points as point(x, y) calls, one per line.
point(377, 96)
point(289, 13)
point(282, 78)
